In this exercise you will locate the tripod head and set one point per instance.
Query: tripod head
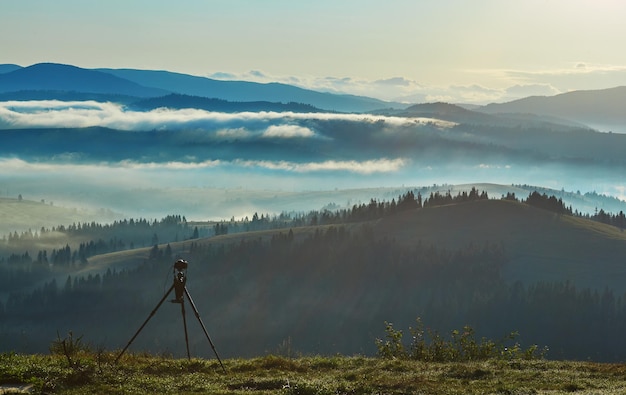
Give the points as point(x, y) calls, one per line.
point(180, 279)
point(180, 265)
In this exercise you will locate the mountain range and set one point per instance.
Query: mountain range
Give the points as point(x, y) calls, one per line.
point(53, 77)
point(599, 109)
point(289, 136)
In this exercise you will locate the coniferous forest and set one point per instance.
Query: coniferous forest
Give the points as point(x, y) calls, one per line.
point(322, 282)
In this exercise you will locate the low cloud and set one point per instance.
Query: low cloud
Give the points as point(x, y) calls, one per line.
point(570, 77)
point(288, 131)
point(388, 89)
point(360, 167)
point(10, 166)
point(492, 166)
point(238, 133)
point(511, 84)
point(39, 114)
point(395, 81)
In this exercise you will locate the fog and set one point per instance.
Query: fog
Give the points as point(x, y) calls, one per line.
point(221, 190)
point(209, 165)
point(55, 113)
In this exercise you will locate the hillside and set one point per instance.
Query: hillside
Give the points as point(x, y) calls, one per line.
point(498, 265)
point(327, 289)
point(185, 101)
point(71, 82)
point(20, 215)
point(244, 91)
point(58, 77)
point(541, 246)
point(6, 68)
point(601, 109)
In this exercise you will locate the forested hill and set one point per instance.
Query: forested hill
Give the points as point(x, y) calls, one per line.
point(186, 101)
point(541, 245)
point(498, 265)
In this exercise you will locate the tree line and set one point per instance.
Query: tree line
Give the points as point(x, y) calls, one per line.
point(328, 292)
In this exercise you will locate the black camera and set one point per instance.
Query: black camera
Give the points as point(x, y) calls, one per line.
point(180, 265)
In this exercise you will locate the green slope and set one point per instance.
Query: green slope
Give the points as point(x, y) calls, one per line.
point(20, 215)
point(542, 246)
point(330, 290)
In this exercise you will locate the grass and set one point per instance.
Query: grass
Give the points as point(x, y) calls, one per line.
point(148, 374)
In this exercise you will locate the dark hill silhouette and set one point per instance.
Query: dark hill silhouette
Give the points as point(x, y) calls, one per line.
point(597, 108)
point(541, 245)
point(60, 77)
point(186, 101)
point(462, 115)
point(243, 91)
point(331, 287)
point(448, 112)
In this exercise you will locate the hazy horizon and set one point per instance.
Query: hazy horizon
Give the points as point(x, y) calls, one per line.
point(455, 51)
point(452, 51)
point(223, 165)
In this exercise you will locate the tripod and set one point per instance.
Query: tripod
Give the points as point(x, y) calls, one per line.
point(180, 290)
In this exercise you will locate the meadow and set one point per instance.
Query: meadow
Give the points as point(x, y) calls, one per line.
point(151, 374)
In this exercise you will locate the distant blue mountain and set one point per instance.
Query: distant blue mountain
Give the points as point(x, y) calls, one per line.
point(69, 81)
point(178, 101)
point(7, 68)
point(603, 109)
point(59, 77)
point(242, 91)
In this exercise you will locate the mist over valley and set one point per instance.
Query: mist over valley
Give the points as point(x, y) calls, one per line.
point(195, 143)
point(308, 218)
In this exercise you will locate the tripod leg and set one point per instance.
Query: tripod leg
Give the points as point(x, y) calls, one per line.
point(182, 310)
point(195, 310)
point(144, 324)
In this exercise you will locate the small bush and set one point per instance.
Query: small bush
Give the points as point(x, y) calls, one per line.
point(69, 346)
point(430, 346)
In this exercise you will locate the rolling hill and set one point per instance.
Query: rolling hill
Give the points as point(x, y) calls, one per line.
point(602, 109)
point(59, 77)
point(335, 297)
point(328, 288)
point(542, 246)
point(178, 101)
point(20, 215)
point(6, 68)
point(71, 81)
point(243, 91)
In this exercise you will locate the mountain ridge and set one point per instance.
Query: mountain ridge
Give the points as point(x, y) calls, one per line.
point(599, 108)
point(248, 91)
point(155, 83)
point(8, 67)
point(60, 77)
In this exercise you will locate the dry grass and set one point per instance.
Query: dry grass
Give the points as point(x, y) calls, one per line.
point(146, 374)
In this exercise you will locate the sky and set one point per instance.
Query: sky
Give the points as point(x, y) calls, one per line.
point(476, 51)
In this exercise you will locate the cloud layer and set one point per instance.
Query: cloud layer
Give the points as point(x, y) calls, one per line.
point(53, 113)
point(512, 84)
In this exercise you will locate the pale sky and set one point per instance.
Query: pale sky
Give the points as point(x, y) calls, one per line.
point(412, 50)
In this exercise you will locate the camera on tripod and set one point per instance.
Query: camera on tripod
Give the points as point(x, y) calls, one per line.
point(180, 279)
point(180, 290)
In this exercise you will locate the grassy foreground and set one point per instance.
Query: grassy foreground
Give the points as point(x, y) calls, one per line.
point(96, 373)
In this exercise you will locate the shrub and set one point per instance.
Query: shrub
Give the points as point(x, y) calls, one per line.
point(69, 346)
point(429, 345)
